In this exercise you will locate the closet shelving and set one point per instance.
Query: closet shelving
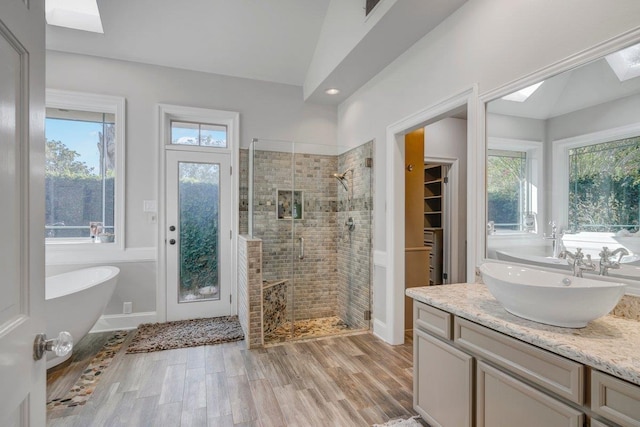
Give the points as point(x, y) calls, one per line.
point(434, 180)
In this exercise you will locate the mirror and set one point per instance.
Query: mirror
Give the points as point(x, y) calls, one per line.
point(563, 169)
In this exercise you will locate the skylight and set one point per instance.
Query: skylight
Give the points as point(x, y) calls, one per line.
point(523, 94)
point(626, 62)
point(76, 14)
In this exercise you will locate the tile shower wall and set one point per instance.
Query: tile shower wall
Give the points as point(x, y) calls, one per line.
point(250, 289)
point(354, 248)
point(314, 277)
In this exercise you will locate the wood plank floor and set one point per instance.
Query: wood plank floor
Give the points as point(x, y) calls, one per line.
point(354, 380)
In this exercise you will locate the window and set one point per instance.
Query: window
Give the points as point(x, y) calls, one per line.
point(506, 189)
point(514, 177)
point(84, 168)
point(198, 134)
point(604, 186)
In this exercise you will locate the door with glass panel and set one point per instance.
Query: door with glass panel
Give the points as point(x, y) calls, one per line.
point(198, 241)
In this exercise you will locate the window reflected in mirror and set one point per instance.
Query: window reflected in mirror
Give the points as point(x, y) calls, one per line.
point(507, 199)
point(604, 186)
point(563, 166)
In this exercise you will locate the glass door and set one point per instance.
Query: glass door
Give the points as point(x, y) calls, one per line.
point(198, 242)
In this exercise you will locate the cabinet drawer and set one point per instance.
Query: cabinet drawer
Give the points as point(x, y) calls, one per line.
point(615, 399)
point(505, 401)
point(555, 373)
point(433, 320)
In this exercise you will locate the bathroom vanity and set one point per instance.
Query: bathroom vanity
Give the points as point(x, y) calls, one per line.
point(475, 364)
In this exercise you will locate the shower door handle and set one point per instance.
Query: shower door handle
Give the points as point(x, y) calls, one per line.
point(301, 256)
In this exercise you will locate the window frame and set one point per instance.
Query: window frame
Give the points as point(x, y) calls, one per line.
point(99, 104)
point(560, 168)
point(534, 176)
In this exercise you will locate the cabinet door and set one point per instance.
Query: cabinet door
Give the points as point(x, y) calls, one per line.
point(505, 401)
point(615, 399)
point(443, 382)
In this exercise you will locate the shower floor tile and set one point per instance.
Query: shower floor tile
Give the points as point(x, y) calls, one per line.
point(310, 328)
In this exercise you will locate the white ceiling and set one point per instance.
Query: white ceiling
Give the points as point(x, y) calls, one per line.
point(587, 86)
point(270, 40)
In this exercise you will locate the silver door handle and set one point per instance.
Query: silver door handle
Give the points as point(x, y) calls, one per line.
point(301, 256)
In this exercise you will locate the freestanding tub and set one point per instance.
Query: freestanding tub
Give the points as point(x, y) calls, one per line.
point(75, 301)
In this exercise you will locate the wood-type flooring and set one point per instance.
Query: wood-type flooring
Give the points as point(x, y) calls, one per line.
point(354, 380)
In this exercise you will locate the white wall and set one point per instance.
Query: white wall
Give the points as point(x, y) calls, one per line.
point(447, 138)
point(267, 110)
point(486, 42)
point(610, 115)
point(512, 127)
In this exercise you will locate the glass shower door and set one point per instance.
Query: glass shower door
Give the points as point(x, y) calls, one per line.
point(311, 207)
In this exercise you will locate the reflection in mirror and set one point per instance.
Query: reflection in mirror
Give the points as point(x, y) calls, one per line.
point(563, 170)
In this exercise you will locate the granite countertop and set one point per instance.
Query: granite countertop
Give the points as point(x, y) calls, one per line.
point(610, 344)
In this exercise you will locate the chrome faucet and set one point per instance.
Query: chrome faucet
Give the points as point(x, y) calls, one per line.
point(606, 263)
point(576, 261)
point(556, 240)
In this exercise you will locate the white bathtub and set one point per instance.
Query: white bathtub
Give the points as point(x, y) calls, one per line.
point(75, 301)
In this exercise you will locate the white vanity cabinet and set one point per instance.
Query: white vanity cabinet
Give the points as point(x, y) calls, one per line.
point(469, 375)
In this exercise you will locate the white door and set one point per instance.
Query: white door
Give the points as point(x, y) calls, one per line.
point(198, 235)
point(22, 379)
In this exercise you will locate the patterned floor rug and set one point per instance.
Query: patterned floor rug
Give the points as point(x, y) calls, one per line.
point(86, 384)
point(409, 422)
point(185, 333)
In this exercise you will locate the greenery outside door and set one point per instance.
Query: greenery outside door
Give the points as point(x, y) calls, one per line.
point(198, 240)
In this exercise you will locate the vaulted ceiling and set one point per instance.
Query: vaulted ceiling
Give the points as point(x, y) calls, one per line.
point(270, 40)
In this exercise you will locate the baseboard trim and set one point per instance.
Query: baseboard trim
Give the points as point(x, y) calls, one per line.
point(115, 322)
point(380, 330)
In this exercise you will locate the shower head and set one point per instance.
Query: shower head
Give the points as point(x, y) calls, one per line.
point(342, 180)
point(342, 177)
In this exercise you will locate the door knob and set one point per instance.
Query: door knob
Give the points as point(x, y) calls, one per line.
point(62, 345)
point(172, 241)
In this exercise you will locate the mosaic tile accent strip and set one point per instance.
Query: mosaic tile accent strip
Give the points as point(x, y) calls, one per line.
point(86, 384)
point(311, 328)
point(609, 343)
point(274, 306)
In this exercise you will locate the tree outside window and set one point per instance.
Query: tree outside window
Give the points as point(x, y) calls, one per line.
point(79, 172)
point(604, 186)
point(506, 188)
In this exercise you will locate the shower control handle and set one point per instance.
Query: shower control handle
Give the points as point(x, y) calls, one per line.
point(301, 256)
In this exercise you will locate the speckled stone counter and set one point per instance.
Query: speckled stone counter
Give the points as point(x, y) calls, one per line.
point(610, 344)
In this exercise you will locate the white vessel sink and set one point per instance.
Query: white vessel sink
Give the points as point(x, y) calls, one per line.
point(551, 298)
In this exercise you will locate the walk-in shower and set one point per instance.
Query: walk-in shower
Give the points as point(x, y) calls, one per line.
point(316, 277)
